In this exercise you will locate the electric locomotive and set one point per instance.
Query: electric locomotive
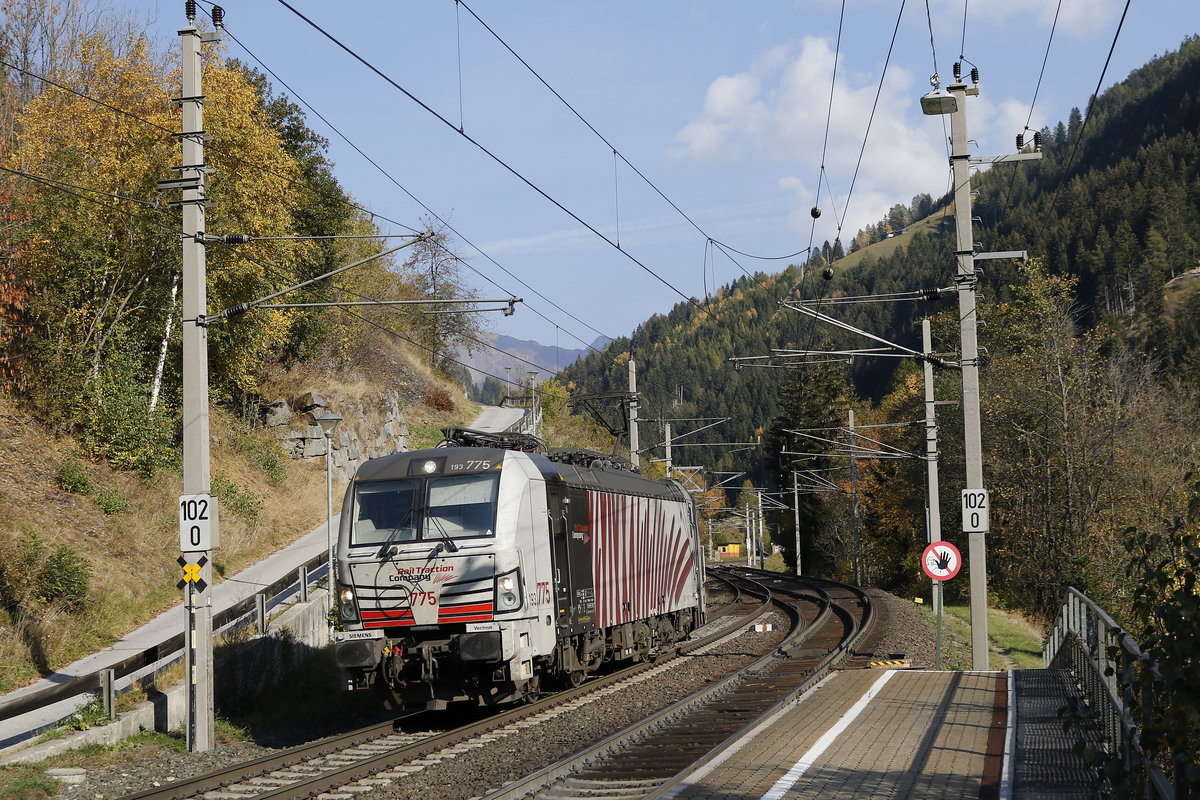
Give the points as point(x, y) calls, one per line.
point(488, 570)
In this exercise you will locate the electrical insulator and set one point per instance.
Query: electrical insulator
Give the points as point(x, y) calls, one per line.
point(974, 74)
point(1037, 140)
point(815, 211)
point(827, 273)
point(1020, 140)
point(218, 17)
point(190, 9)
point(958, 70)
point(235, 238)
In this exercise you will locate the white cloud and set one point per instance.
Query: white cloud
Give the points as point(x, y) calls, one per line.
point(776, 111)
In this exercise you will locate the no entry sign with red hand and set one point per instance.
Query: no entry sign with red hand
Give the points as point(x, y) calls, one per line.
point(941, 561)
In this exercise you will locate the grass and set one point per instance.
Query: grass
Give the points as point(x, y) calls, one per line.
point(26, 782)
point(887, 247)
point(29, 781)
point(1006, 631)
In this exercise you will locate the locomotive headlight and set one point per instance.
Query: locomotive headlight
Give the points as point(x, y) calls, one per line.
point(347, 608)
point(508, 591)
point(429, 467)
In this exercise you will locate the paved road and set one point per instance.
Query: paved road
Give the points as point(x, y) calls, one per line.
point(494, 419)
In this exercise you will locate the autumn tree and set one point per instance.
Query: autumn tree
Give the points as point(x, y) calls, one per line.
point(101, 261)
point(432, 271)
point(1084, 441)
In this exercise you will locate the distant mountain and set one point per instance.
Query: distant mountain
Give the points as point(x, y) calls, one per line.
point(517, 357)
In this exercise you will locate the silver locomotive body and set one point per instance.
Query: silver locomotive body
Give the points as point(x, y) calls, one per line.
point(489, 575)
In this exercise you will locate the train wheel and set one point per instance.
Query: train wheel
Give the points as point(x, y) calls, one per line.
point(575, 679)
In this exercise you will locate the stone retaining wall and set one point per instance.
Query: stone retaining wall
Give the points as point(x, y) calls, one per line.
point(370, 428)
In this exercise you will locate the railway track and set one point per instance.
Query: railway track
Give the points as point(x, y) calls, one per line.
point(379, 754)
point(644, 759)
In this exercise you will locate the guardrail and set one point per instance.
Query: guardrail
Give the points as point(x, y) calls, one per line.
point(102, 680)
point(1087, 642)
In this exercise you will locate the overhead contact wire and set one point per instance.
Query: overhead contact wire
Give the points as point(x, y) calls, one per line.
point(479, 145)
point(616, 152)
point(424, 206)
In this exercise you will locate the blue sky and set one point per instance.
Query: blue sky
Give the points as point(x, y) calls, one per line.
point(722, 105)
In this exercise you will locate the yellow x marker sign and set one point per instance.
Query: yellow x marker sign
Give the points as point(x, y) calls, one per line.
point(191, 573)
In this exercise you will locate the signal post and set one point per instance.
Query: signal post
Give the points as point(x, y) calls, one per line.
point(199, 531)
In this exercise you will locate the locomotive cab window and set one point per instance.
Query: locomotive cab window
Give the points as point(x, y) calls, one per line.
point(385, 511)
point(463, 505)
point(424, 509)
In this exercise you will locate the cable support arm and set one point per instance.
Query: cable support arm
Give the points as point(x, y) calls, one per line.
point(242, 308)
point(886, 447)
point(837, 323)
point(894, 297)
point(675, 439)
point(507, 308)
point(865, 351)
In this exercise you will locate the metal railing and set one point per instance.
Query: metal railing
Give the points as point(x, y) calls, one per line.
point(1107, 664)
point(150, 659)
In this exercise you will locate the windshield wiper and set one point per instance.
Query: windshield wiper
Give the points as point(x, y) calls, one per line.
point(449, 543)
point(387, 549)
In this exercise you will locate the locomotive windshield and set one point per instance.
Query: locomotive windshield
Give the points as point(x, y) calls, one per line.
point(414, 509)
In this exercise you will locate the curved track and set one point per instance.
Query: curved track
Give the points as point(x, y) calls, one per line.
point(360, 756)
point(640, 759)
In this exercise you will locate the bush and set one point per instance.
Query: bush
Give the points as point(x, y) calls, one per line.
point(64, 579)
point(439, 399)
point(28, 574)
point(264, 453)
point(111, 501)
point(113, 424)
point(73, 477)
point(235, 499)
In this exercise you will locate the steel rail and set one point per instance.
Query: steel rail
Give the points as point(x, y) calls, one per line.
point(370, 765)
point(797, 636)
point(802, 589)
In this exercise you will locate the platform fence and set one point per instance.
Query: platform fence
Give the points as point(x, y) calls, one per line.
point(1109, 669)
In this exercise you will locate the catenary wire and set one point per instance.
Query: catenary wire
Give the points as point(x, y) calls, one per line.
point(67, 186)
point(616, 152)
point(687, 299)
point(428, 209)
point(1088, 116)
point(480, 146)
point(1032, 103)
point(216, 149)
point(268, 268)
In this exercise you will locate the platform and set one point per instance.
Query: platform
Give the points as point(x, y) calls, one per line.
point(902, 734)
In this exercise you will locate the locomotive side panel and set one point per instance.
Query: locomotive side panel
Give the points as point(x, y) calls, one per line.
point(643, 557)
point(532, 627)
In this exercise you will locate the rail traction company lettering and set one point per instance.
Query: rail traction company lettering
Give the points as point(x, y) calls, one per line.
point(423, 571)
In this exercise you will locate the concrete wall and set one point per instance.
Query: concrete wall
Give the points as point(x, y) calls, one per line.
point(241, 669)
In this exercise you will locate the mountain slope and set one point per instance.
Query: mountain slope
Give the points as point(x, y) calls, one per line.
point(1121, 212)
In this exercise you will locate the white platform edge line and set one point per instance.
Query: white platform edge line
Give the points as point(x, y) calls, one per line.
point(822, 744)
point(1010, 741)
point(698, 775)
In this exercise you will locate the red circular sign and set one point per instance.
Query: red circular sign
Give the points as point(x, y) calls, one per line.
point(941, 561)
